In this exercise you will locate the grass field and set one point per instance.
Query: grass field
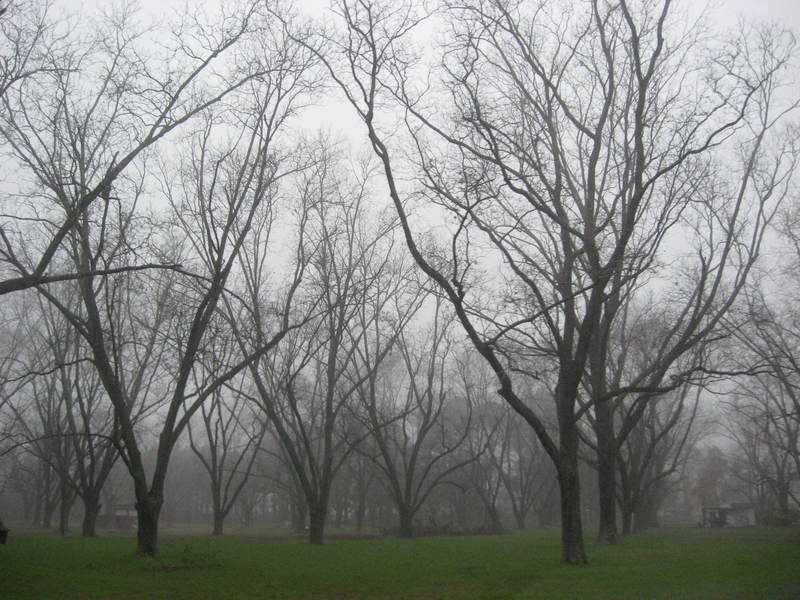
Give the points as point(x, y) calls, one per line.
point(669, 563)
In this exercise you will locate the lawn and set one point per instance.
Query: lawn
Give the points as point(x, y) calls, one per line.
point(669, 563)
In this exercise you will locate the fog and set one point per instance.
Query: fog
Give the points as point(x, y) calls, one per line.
point(424, 269)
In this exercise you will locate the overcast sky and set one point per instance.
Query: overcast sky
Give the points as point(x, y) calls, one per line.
point(785, 11)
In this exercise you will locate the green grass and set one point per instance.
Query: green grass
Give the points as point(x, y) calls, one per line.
point(670, 563)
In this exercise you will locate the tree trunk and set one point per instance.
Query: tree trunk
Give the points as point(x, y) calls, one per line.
point(64, 508)
point(341, 512)
point(781, 491)
point(29, 508)
point(219, 519)
point(607, 534)
point(316, 523)
point(493, 523)
point(406, 529)
point(49, 502)
point(217, 510)
point(627, 499)
point(147, 511)
point(63, 517)
point(361, 511)
point(91, 508)
point(572, 548)
point(627, 519)
point(41, 516)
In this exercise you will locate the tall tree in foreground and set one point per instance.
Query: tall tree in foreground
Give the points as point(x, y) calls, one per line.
point(220, 191)
point(569, 152)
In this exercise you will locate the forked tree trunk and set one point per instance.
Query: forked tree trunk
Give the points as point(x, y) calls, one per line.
point(572, 548)
point(246, 512)
point(64, 508)
point(49, 503)
point(148, 510)
point(627, 505)
point(627, 521)
point(91, 509)
point(646, 511)
point(781, 493)
point(217, 510)
point(316, 523)
point(219, 520)
point(63, 517)
point(406, 529)
point(493, 523)
point(47, 516)
point(607, 534)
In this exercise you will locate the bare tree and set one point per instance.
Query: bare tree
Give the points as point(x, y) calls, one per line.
point(568, 154)
point(229, 436)
point(25, 35)
point(228, 186)
point(82, 103)
point(525, 472)
point(762, 421)
point(653, 451)
point(14, 375)
point(37, 411)
point(363, 475)
point(307, 390)
point(274, 468)
point(486, 480)
point(764, 411)
point(41, 424)
point(417, 442)
point(646, 360)
point(88, 430)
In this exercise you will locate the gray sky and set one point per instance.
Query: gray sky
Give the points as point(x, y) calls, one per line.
point(785, 11)
point(341, 119)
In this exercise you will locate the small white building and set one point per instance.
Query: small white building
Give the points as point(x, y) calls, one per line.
point(738, 514)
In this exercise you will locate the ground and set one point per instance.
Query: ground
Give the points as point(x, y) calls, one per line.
point(668, 563)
